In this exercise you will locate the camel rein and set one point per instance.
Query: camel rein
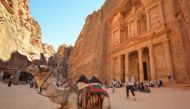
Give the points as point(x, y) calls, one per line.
point(41, 87)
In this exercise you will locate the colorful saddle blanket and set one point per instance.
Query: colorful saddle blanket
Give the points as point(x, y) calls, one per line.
point(91, 94)
point(94, 89)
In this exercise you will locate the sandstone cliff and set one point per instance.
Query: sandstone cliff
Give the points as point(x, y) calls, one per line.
point(91, 53)
point(59, 62)
point(19, 32)
point(88, 54)
point(181, 12)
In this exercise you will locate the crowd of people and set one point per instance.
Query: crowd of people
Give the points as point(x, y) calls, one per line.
point(132, 86)
point(145, 87)
point(137, 85)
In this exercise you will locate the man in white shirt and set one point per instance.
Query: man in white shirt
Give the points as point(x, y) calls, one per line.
point(113, 85)
point(129, 83)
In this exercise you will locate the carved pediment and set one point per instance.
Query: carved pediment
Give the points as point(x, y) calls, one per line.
point(117, 18)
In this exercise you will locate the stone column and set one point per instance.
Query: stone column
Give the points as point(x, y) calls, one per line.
point(126, 64)
point(152, 62)
point(119, 68)
point(168, 57)
point(111, 69)
point(161, 12)
point(148, 19)
point(140, 65)
point(129, 30)
point(136, 28)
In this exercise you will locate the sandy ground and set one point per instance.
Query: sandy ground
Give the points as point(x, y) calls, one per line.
point(22, 97)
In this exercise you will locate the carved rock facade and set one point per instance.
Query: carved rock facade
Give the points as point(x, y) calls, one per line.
point(89, 53)
point(148, 38)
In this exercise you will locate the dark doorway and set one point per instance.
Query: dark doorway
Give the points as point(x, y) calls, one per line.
point(145, 71)
point(138, 71)
point(123, 68)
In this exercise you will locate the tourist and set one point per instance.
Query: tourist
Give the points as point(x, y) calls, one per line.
point(120, 84)
point(11, 78)
point(113, 85)
point(1, 75)
point(161, 83)
point(147, 89)
point(152, 84)
point(32, 82)
point(136, 86)
point(17, 75)
point(141, 87)
point(106, 84)
point(170, 78)
point(129, 83)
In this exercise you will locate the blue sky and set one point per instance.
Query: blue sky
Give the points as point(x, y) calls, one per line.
point(62, 20)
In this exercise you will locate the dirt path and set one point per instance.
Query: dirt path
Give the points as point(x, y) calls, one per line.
point(22, 97)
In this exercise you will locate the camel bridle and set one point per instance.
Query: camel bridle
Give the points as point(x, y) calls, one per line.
point(44, 81)
point(42, 88)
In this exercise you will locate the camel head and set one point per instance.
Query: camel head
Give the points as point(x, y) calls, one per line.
point(38, 71)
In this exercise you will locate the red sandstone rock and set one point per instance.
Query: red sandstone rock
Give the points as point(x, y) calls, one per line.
point(19, 33)
point(147, 38)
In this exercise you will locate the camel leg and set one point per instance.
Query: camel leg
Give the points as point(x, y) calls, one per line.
point(106, 103)
point(73, 101)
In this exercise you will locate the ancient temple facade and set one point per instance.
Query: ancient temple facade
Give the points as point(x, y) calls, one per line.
point(145, 41)
point(149, 39)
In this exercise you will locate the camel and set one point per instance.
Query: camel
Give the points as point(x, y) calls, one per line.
point(70, 97)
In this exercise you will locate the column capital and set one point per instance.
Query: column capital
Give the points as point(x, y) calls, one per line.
point(150, 47)
point(127, 54)
point(165, 41)
point(139, 49)
point(119, 56)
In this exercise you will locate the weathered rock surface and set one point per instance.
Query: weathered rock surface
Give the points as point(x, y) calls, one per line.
point(94, 47)
point(19, 32)
point(59, 62)
point(48, 50)
point(88, 55)
point(62, 57)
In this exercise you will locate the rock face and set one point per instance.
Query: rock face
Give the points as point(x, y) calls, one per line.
point(59, 62)
point(147, 38)
point(48, 50)
point(19, 32)
point(62, 57)
point(17, 61)
point(89, 52)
